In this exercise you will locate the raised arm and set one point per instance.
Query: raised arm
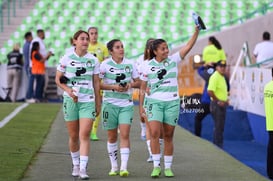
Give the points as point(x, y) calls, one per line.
point(185, 49)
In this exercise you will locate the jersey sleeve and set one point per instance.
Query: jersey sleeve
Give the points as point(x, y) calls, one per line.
point(223, 55)
point(102, 70)
point(212, 84)
point(62, 64)
point(176, 57)
point(144, 72)
point(97, 67)
point(255, 51)
point(204, 54)
point(135, 73)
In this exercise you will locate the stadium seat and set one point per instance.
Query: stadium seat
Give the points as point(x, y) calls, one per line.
point(131, 21)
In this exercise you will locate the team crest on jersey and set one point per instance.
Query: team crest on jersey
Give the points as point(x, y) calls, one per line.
point(127, 69)
point(166, 63)
point(88, 63)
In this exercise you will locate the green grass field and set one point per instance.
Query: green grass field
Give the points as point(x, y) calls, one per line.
point(23, 136)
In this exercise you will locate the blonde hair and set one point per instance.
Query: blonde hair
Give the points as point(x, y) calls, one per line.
point(16, 46)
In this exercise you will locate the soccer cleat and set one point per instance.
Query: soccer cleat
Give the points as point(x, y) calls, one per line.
point(83, 175)
point(113, 173)
point(150, 159)
point(75, 170)
point(94, 137)
point(168, 173)
point(156, 172)
point(123, 173)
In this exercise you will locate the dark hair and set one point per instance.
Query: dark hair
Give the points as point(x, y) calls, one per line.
point(92, 27)
point(77, 34)
point(215, 42)
point(28, 34)
point(40, 31)
point(154, 45)
point(147, 47)
point(35, 46)
point(266, 35)
point(272, 72)
point(111, 43)
point(71, 41)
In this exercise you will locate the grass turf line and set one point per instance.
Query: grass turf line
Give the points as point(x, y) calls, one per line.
point(22, 138)
point(7, 108)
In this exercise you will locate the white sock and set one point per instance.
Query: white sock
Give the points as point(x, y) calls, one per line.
point(75, 157)
point(83, 162)
point(124, 155)
point(143, 129)
point(156, 160)
point(113, 155)
point(149, 147)
point(161, 143)
point(168, 160)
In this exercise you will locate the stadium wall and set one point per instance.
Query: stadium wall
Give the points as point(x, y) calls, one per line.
point(232, 38)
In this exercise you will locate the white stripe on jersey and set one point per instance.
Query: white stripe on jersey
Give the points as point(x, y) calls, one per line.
point(162, 78)
point(80, 71)
point(113, 73)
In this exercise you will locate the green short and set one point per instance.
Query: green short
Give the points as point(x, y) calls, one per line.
point(74, 111)
point(113, 116)
point(165, 112)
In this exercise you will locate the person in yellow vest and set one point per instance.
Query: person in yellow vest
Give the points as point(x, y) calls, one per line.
point(213, 52)
point(218, 92)
point(100, 51)
point(268, 104)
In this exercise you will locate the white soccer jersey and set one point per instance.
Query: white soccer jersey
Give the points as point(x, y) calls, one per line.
point(162, 78)
point(113, 73)
point(80, 71)
point(139, 63)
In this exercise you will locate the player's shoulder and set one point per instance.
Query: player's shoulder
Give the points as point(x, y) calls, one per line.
point(91, 56)
point(106, 61)
point(130, 61)
point(67, 55)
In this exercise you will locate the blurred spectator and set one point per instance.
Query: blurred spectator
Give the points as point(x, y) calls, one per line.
point(205, 72)
point(218, 91)
point(15, 64)
point(100, 51)
point(213, 52)
point(268, 104)
point(38, 69)
point(26, 48)
point(263, 50)
point(43, 52)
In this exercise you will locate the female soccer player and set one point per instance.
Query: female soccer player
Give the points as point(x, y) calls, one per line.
point(163, 102)
point(78, 75)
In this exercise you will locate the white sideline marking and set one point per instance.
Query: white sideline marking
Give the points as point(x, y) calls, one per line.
point(13, 114)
